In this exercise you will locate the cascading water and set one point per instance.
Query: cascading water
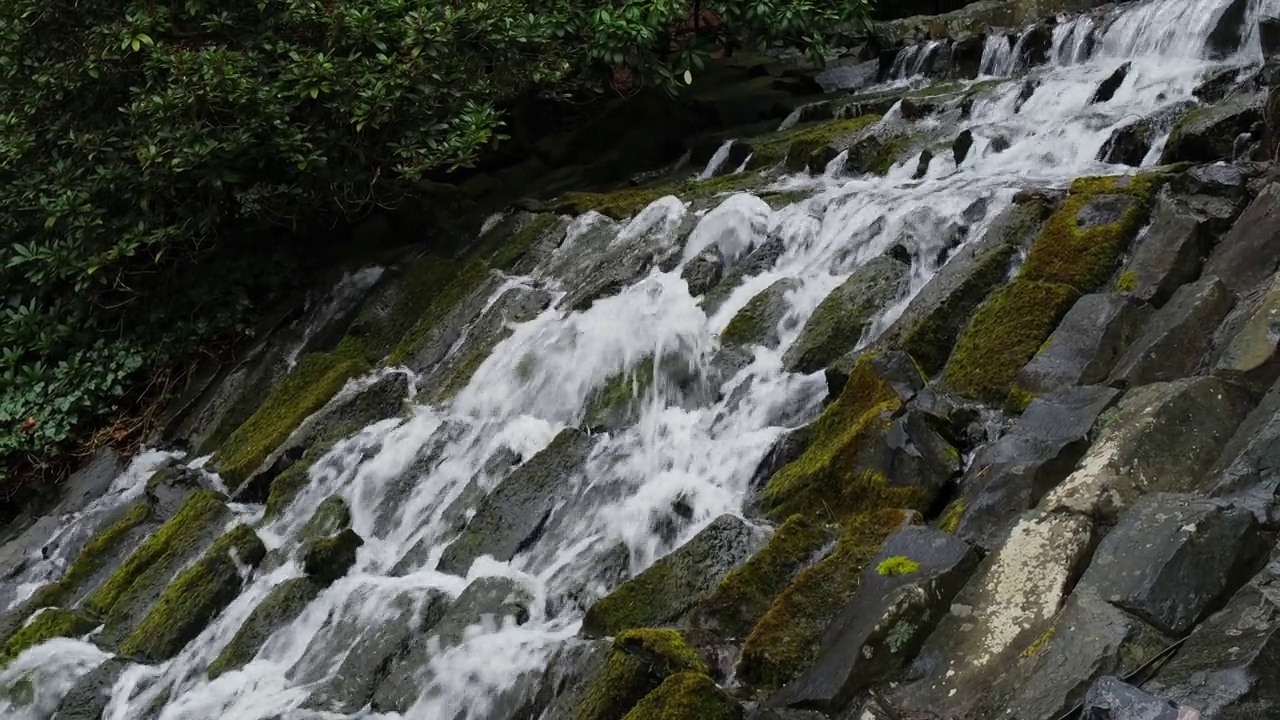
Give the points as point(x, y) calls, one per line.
point(538, 381)
point(997, 56)
point(1073, 41)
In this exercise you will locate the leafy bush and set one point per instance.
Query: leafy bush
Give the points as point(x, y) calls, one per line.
point(140, 142)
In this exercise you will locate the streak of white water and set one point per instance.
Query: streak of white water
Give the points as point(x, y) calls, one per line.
point(1073, 41)
point(401, 476)
point(717, 160)
point(997, 56)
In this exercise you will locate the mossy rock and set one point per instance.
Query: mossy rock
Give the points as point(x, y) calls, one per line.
point(280, 607)
point(389, 314)
point(95, 557)
point(1208, 133)
point(1003, 336)
point(638, 663)
point(837, 474)
point(785, 640)
point(838, 322)
point(687, 695)
point(757, 321)
point(328, 559)
point(624, 204)
point(195, 596)
point(331, 517)
point(618, 402)
point(746, 593)
point(48, 624)
point(802, 148)
point(465, 284)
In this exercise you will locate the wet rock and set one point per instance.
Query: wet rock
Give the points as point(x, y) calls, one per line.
point(703, 271)
point(1168, 255)
point(672, 586)
point(516, 305)
point(1250, 252)
point(926, 157)
point(1162, 437)
point(88, 698)
point(1206, 134)
point(513, 516)
point(1108, 88)
point(1174, 558)
point(788, 447)
point(399, 490)
point(559, 689)
point(1177, 337)
point(1028, 90)
point(1008, 477)
point(488, 600)
point(848, 77)
point(904, 591)
point(914, 449)
point(637, 663)
point(1250, 357)
point(328, 559)
point(1086, 344)
point(688, 694)
point(280, 607)
point(840, 319)
point(646, 241)
point(757, 322)
point(1109, 698)
point(331, 517)
point(960, 148)
point(999, 144)
point(1229, 30)
point(1011, 600)
point(1251, 458)
point(758, 260)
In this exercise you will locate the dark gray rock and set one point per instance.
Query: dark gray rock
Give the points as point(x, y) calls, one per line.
point(960, 148)
point(1108, 88)
point(759, 260)
point(1177, 337)
point(672, 586)
point(1130, 144)
point(556, 691)
point(487, 600)
point(1168, 255)
point(703, 271)
point(922, 169)
point(1174, 558)
point(914, 449)
point(1250, 356)
point(1250, 252)
point(615, 265)
point(1086, 344)
point(516, 305)
point(1109, 698)
point(1229, 30)
point(840, 319)
point(328, 559)
point(512, 517)
point(331, 517)
point(1163, 437)
point(280, 607)
point(401, 488)
point(1251, 459)
point(1011, 475)
point(1206, 134)
point(903, 593)
point(88, 698)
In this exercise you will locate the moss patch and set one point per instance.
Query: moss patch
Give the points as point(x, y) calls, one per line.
point(624, 204)
point(1018, 400)
point(798, 145)
point(194, 597)
point(1003, 336)
point(684, 696)
point(620, 395)
point(1127, 281)
point(950, 520)
point(49, 624)
point(281, 607)
point(746, 593)
point(1039, 642)
point(93, 557)
point(785, 640)
point(460, 288)
point(897, 565)
point(638, 663)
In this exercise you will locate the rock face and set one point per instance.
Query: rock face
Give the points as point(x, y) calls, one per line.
point(757, 322)
point(1169, 255)
point(840, 319)
point(1205, 134)
point(1087, 343)
point(88, 698)
point(1250, 252)
point(1177, 337)
point(278, 609)
point(1249, 461)
point(1111, 699)
point(1250, 357)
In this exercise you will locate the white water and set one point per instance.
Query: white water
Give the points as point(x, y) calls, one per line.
point(538, 381)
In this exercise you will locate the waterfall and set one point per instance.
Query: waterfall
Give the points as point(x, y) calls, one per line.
point(539, 380)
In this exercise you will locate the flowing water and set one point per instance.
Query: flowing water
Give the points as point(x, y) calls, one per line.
point(538, 381)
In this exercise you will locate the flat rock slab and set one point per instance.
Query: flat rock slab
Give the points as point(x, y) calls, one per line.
point(1009, 476)
point(1173, 558)
point(1162, 437)
point(1011, 600)
point(904, 591)
point(1110, 698)
point(1250, 251)
point(1087, 343)
point(1250, 357)
point(1177, 337)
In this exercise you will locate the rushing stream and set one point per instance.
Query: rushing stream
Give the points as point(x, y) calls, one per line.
point(538, 381)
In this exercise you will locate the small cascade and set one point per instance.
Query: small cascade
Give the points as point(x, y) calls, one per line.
point(997, 56)
point(1073, 41)
point(915, 60)
point(718, 161)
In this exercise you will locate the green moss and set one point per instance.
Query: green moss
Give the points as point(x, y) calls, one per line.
point(194, 597)
point(459, 288)
point(93, 557)
point(620, 394)
point(950, 520)
point(509, 253)
point(1085, 258)
point(173, 539)
point(1127, 281)
point(748, 326)
point(1003, 336)
point(1018, 400)
point(637, 664)
point(328, 559)
point(331, 516)
point(663, 649)
point(785, 198)
point(888, 151)
point(797, 146)
point(48, 624)
point(624, 204)
point(897, 565)
point(785, 640)
point(1039, 642)
point(833, 476)
point(685, 696)
point(314, 381)
point(285, 602)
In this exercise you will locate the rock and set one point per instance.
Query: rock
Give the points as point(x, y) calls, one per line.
point(673, 585)
point(638, 662)
point(647, 238)
point(1177, 337)
point(328, 559)
point(757, 322)
point(1011, 600)
point(931, 322)
point(999, 144)
point(758, 260)
point(88, 697)
point(703, 271)
point(331, 517)
point(960, 148)
point(1086, 344)
point(688, 694)
point(843, 316)
point(847, 77)
point(926, 157)
point(789, 446)
point(279, 608)
point(1249, 460)
point(914, 449)
point(559, 689)
point(1029, 87)
point(1011, 475)
point(1090, 639)
point(1229, 30)
point(1206, 134)
point(1250, 252)
point(517, 305)
point(1250, 357)
point(486, 600)
point(513, 516)
point(1168, 255)
point(1109, 698)
point(1108, 88)
point(905, 590)
point(1163, 438)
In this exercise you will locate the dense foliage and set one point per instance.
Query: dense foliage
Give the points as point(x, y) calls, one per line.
point(139, 139)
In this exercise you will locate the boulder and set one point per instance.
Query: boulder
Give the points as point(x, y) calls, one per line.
point(1177, 337)
point(1011, 600)
point(1229, 30)
point(326, 560)
point(88, 697)
point(904, 591)
point(1250, 356)
point(1208, 133)
point(843, 316)
point(1174, 558)
point(1250, 251)
point(1009, 476)
point(280, 607)
point(636, 665)
point(1086, 344)
point(1162, 437)
point(757, 322)
point(759, 259)
point(671, 587)
point(331, 517)
point(1110, 698)
point(513, 516)
point(1168, 255)
point(960, 148)
point(1251, 458)
point(703, 271)
point(922, 169)
point(1107, 89)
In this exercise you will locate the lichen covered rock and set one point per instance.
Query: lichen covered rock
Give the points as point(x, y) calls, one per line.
point(757, 321)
